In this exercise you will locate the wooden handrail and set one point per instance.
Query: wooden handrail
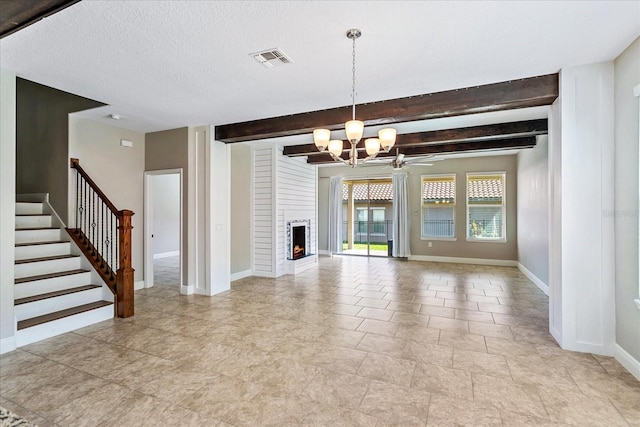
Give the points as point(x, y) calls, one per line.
point(119, 282)
point(75, 164)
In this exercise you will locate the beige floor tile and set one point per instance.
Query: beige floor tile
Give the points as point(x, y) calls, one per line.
point(221, 397)
point(431, 310)
point(336, 359)
point(378, 327)
point(388, 369)
point(341, 337)
point(446, 411)
point(410, 319)
point(380, 344)
point(503, 393)
point(473, 315)
point(329, 415)
point(271, 408)
point(310, 350)
point(481, 363)
point(449, 324)
point(462, 341)
point(466, 305)
point(490, 330)
point(419, 333)
point(428, 353)
point(580, 410)
point(337, 389)
point(396, 405)
point(436, 379)
point(375, 314)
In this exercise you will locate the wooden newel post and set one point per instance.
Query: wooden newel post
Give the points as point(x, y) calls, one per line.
point(124, 275)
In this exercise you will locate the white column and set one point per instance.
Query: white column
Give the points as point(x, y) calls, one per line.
point(218, 202)
point(582, 263)
point(7, 207)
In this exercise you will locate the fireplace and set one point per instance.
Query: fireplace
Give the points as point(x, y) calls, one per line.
point(298, 238)
point(299, 241)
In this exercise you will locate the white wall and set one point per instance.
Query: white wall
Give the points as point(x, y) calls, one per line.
point(166, 213)
point(118, 171)
point(7, 207)
point(586, 163)
point(280, 185)
point(533, 211)
point(264, 233)
point(627, 76)
point(295, 192)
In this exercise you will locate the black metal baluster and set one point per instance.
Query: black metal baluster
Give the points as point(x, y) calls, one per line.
point(77, 203)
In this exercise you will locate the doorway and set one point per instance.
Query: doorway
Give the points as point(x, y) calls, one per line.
point(163, 228)
point(368, 211)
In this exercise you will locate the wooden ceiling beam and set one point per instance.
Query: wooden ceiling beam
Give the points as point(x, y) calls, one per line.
point(523, 93)
point(18, 14)
point(446, 148)
point(475, 133)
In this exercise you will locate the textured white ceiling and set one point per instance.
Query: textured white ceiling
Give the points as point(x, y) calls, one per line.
point(167, 64)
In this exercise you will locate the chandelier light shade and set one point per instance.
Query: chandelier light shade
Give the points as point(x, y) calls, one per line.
point(354, 128)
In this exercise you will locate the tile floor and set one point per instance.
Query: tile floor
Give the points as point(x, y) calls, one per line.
point(356, 341)
point(166, 271)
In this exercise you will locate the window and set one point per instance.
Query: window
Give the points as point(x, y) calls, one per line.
point(486, 206)
point(438, 206)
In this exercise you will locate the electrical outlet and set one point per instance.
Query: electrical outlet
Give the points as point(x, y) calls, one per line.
point(430, 244)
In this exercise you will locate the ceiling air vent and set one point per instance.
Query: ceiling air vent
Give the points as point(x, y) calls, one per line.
point(271, 58)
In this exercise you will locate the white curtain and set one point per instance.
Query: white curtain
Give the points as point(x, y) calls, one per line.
point(401, 217)
point(335, 214)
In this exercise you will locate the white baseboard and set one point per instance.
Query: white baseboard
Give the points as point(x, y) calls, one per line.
point(539, 283)
point(7, 344)
point(187, 290)
point(138, 285)
point(166, 254)
point(458, 260)
point(324, 252)
point(240, 275)
point(627, 361)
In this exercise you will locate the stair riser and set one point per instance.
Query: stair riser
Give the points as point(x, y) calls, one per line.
point(31, 236)
point(38, 287)
point(51, 305)
point(39, 251)
point(33, 221)
point(28, 208)
point(62, 326)
point(46, 267)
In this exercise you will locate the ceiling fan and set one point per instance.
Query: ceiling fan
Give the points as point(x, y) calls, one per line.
point(400, 160)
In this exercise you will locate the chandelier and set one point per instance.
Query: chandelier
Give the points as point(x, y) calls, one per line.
point(354, 128)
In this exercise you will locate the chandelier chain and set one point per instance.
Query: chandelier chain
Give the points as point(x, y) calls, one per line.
point(353, 84)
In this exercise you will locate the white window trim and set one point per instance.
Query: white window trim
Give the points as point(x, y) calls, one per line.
point(636, 92)
point(455, 183)
point(502, 239)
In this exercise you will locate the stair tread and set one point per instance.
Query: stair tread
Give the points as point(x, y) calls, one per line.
point(50, 242)
point(46, 258)
point(48, 295)
point(49, 276)
point(34, 321)
point(33, 214)
point(37, 228)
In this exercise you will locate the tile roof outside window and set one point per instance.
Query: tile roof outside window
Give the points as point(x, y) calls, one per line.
point(485, 189)
point(377, 191)
point(438, 190)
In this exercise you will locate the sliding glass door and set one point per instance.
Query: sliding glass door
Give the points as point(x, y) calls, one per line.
point(367, 217)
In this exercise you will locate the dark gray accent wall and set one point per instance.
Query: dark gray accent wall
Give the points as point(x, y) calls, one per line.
point(42, 140)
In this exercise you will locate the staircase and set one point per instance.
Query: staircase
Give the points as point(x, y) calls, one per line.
point(55, 288)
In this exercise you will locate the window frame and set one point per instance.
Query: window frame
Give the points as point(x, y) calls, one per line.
point(503, 205)
point(452, 205)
